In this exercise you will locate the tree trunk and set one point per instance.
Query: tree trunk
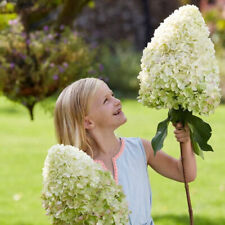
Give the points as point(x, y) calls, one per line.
point(149, 29)
point(196, 2)
point(30, 108)
point(70, 11)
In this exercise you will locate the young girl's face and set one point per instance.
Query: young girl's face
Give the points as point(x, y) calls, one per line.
point(105, 110)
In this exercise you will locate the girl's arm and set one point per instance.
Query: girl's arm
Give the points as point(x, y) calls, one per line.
point(169, 166)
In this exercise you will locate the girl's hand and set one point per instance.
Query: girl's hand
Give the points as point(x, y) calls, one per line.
point(182, 134)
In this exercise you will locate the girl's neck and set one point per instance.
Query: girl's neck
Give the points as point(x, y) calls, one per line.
point(107, 145)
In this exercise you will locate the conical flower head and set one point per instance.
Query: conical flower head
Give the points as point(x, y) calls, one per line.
point(76, 190)
point(178, 66)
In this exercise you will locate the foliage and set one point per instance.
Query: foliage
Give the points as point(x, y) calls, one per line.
point(200, 131)
point(49, 3)
point(36, 14)
point(37, 65)
point(7, 13)
point(216, 22)
point(5, 18)
point(7, 8)
point(120, 64)
point(71, 9)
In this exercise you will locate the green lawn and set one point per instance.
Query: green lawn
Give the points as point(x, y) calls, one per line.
point(24, 145)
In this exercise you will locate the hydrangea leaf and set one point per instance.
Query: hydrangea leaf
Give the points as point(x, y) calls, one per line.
point(201, 132)
point(195, 145)
point(161, 133)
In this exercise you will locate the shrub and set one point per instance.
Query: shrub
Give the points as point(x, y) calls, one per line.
point(120, 66)
point(216, 22)
point(36, 65)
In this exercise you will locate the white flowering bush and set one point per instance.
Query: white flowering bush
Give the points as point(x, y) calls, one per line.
point(179, 71)
point(76, 190)
point(178, 67)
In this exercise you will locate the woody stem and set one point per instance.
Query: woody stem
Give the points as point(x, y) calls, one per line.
point(187, 189)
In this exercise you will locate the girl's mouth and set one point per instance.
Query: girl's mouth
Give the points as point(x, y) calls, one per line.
point(117, 113)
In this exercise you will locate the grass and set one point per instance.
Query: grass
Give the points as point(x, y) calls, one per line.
point(24, 145)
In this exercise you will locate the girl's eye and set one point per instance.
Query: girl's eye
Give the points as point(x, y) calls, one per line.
point(107, 99)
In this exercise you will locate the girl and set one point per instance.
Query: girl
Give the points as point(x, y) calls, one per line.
point(86, 116)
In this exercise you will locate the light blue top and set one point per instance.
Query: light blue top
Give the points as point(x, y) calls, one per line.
point(130, 171)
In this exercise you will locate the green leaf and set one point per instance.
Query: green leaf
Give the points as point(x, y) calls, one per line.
point(201, 132)
point(195, 145)
point(176, 115)
point(161, 133)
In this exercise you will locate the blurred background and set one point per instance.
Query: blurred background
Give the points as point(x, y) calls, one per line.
point(46, 45)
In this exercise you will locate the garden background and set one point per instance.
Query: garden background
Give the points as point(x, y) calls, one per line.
point(56, 43)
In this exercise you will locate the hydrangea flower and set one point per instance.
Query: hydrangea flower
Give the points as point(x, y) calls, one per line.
point(178, 66)
point(76, 190)
point(179, 72)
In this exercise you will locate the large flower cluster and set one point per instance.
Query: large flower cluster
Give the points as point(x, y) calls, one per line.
point(178, 66)
point(76, 190)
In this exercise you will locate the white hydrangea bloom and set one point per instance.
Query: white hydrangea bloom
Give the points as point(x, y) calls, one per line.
point(77, 190)
point(178, 66)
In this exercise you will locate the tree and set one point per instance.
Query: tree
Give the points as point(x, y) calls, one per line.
point(35, 64)
point(70, 11)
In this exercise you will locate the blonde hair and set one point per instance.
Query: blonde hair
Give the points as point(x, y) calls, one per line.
point(71, 107)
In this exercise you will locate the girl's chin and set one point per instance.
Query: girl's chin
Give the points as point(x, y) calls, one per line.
point(121, 122)
point(120, 118)
point(123, 119)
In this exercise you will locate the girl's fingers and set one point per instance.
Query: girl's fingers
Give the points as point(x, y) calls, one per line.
point(183, 129)
point(182, 133)
point(182, 139)
point(179, 125)
point(178, 131)
point(181, 136)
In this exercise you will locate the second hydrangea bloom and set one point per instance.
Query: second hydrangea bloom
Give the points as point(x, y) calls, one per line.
point(76, 190)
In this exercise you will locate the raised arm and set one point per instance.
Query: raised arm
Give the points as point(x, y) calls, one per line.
point(171, 167)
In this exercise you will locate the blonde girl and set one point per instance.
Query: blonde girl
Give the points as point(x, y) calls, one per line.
point(86, 116)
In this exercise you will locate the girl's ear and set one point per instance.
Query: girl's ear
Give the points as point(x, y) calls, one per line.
point(88, 124)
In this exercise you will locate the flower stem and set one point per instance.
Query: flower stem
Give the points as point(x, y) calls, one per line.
point(187, 189)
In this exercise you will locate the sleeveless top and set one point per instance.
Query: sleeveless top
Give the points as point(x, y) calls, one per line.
point(130, 171)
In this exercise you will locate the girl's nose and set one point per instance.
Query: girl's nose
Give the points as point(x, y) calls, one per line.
point(117, 101)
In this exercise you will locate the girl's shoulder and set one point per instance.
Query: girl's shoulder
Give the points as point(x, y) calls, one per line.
point(132, 140)
point(137, 144)
point(138, 140)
